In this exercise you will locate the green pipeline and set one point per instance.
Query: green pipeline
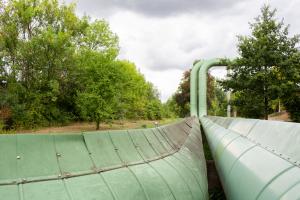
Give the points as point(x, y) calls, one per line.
point(162, 163)
point(198, 103)
point(255, 159)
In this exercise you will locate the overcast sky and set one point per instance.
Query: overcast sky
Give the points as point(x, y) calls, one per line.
point(164, 37)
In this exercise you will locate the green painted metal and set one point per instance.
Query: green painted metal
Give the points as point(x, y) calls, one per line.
point(101, 149)
point(202, 84)
point(10, 192)
point(160, 163)
point(193, 88)
point(198, 85)
point(255, 159)
point(88, 187)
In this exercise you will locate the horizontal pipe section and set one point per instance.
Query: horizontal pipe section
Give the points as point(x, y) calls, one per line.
point(255, 159)
point(159, 163)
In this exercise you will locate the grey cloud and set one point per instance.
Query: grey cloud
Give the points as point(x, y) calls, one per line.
point(191, 46)
point(159, 8)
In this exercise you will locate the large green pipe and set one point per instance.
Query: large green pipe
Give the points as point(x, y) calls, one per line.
point(161, 163)
point(193, 88)
point(202, 83)
point(255, 159)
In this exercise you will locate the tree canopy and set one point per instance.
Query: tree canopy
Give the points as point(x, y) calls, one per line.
point(216, 98)
point(56, 67)
point(267, 68)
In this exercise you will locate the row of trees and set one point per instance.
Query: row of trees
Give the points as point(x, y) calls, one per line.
point(56, 67)
point(267, 70)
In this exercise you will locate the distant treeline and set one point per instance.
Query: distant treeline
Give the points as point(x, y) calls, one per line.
point(56, 67)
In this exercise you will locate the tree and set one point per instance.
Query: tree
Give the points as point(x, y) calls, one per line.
point(170, 108)
point(291, 87)
point(216, 99)
point(37, 52)
point(115, 90)
point(258, 76)
point(182, 95)
point(96, 100)
point(56, 67)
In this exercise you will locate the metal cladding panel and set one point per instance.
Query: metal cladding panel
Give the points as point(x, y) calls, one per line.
point(164, 140)
point(143, 146)
point(178, 187)
point(193, 145)
point(212, 118)
point(276, 189)
point(124, 184)
point(101, 149)
point(242, 126)
point(8, 158)
point(72, 154)
point(37, 157)
point(225, 122)
point(125, 147)
point(214, 135)
point(194, 142)
point(154, 185)
point(187, 176)
point(175, 134)
point(52, 190)
point(226, 140)
point(90, 187)
point(154, 142)
point(293, 193)
point(185, 127)
point(190, 121)
point(238, 125)
point(10, 192)
point(230, 155)
point(283, 137)
point(198, 169)
point(255, 169)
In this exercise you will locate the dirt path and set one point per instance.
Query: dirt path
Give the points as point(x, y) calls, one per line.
point(282, 116)
point(78, 127)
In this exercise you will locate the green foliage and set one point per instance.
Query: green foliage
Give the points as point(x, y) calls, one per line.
point(291, 87)
point(216, 98)
point(171, 108)
point(264, 69)
point(182, 95)
point(56, 67)
point(179, 103)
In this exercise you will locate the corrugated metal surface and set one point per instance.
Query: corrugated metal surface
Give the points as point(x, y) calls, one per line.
point(160, 163)
point(256, 159)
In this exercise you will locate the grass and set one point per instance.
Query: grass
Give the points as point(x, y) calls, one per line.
point(78, 127)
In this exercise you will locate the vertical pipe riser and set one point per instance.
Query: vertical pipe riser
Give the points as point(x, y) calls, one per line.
point(193, 89)
point(202, 83)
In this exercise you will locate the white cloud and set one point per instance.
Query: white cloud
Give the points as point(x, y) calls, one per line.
point(163, 42)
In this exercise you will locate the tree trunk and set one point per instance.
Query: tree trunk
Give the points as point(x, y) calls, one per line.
point(97, 124)
point(266, 108)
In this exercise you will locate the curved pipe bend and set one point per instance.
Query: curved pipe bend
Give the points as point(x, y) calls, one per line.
point(199, 78)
